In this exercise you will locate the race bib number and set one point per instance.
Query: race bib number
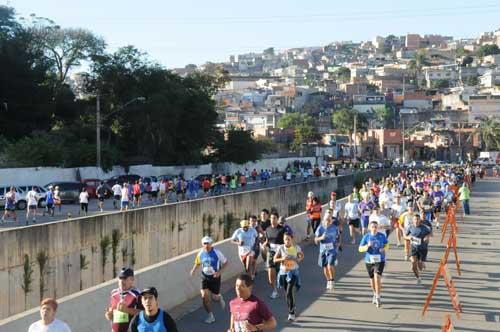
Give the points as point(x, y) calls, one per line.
point(208, 270)
point(427, 207)
point(375, 258)
point(328, 246)
point(274, 246)
point(120, 317)
point(366, 213)
point(289, 264)
point(244, 250)
point(240, 326)
point(416, 241)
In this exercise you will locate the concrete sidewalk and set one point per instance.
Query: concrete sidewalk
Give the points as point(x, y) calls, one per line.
point(349, 307)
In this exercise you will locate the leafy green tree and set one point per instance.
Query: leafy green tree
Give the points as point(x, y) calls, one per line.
point(239, 147)
point(472, 81)
point(384, 115)
point(489, 131)
point(344, 74)
point(485, 50)
point(440, 84)
point(467, 61)
point(343, 122)
point(290, 120)
point(304, 126)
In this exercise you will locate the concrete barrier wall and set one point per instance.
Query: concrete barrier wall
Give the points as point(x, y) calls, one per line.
point(44, 175)
point(80, 253)
point(84, 311)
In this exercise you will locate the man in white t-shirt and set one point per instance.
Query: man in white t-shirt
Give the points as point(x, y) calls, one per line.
point(124, 197)
point(48, 321)
point(32, 204)
point(117, 194)
point(154, 190)
point(384, 224)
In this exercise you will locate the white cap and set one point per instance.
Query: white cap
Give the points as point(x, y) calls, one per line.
point(310, 194)
point(207, 239)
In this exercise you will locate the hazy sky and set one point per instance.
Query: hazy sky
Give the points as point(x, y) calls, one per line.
point(177, 33)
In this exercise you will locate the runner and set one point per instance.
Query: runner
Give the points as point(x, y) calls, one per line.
point(315, 215)
point(437, 197)
point(83, 198)
point(384, 225)
point(396, 211)
point(352, 215)
point(32, 204)
point(464, 196)
point(117, 194)
point(418, 234)
point(10, 204)
point(405, 221)
point(246, 237)
point(282, 222)
point(425, 206)
point(57, 198)
point(309, 205)
point(124, 198)
point(260, 235)
point(155, 186)
point(327, 236)
point(375, 245)
point(48, 321)
point(49, 202)
point(152, 318)
point(163, 191)
point(274, 238)
point(136, 190)
point(212, 263)
point(248, 312)
point(123, 302)
point(365, 210)
point(288, 256)
point(101, 195)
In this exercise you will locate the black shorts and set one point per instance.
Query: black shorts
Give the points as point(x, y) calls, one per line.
point(270, 260)
point(354, 222)
point(101, 198)
point(206, 190)
point(211, 283)
point(137, 196)
point(437, 209)
point(419, 253)
point(154, 194)
point(371, 268)
point(117, 197)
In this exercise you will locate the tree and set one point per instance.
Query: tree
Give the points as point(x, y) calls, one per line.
point(485, 50)
point(467, 61)
point(440, 84)
point(239, 147)
point(66, 48)
point(384, 115)
point(343, 121)
point(472, 80)
point(489, 131)
point(304, 126)
point(344, 74)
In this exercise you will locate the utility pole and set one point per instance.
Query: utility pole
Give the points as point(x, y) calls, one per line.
point(98, 131)
point(459, 140)
point(355, 120)
point(403, 134)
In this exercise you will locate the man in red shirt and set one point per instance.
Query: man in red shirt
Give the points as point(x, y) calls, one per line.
point(124, 302)
point(249, 313)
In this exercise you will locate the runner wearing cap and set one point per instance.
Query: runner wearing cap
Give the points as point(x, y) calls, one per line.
point(124, 302)
point(152, 318)
point(245, 237)
point(212, 262)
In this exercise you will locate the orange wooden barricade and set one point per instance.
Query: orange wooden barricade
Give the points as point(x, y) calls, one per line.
point(455, 301)
point(448, 325)
point(452, 243)
point(451, 221)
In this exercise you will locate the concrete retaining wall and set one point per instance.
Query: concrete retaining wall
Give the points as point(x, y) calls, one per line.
point(44, 175)
point(84, 311)
point(145, 237)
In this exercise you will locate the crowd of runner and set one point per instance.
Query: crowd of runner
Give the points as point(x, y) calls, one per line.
point(409, 204)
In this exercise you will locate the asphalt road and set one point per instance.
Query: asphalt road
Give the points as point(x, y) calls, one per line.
point(349, 307)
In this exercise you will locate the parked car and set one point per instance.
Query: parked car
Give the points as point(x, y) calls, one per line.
point(438, 163)
point(21, 197)
point(91, 187)
point(417, 163)
point(41, 193)
point(131, 178)
point(68, 191)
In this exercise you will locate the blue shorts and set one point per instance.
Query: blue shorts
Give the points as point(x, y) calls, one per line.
point(364, 221)
point(327, 258)
point(124, 203)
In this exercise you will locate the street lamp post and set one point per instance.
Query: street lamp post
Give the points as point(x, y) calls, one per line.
point(98, 123)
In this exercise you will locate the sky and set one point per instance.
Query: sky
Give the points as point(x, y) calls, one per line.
point(177, 33)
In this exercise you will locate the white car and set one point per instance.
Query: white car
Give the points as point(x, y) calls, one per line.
point(21, 203)
point(438, 163)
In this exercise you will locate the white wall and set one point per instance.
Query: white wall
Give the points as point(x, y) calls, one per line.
point(44, 175)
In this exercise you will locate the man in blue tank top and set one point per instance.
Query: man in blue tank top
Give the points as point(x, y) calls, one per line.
point(152, 318)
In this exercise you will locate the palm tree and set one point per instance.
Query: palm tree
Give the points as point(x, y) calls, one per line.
point(489, 129)
point(343, 121)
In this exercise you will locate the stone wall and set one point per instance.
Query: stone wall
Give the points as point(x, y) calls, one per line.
point(80, 253)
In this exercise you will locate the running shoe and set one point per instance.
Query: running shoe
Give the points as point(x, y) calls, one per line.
point(274, 294)
point(222, 302)
point(374, 299)
point(377, 302)
point(210, 319)
point(291, 317)
point(419, 281)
